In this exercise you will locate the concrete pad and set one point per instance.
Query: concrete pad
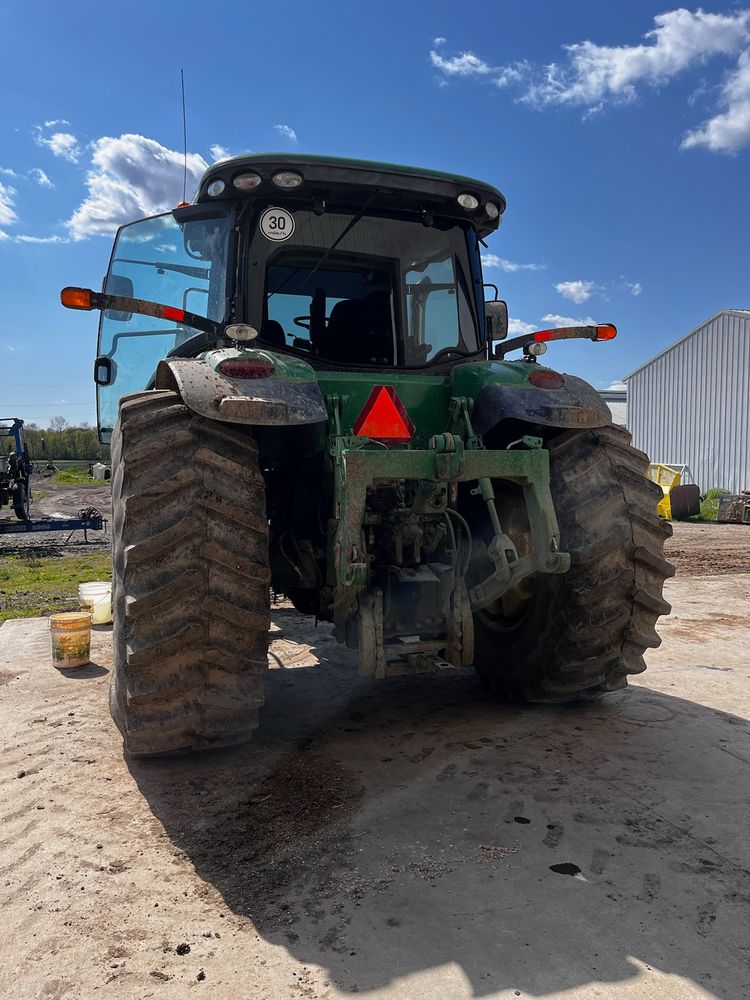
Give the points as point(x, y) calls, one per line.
point(395, 839)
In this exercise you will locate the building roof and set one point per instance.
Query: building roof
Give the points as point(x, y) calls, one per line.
point(744, 313)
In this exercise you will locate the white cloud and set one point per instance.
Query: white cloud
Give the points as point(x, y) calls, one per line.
point(7, 212)
point(729, 131)
point(593, 76)
point(616, 387)
point(439, 41)
point(131, 176)
point(576, 291)
point(287, 132)
point(514, 73)
point(635, 288)
point(465, 64)
point(41, 239)
point(56, 121)
point(518, 328)
point(554, 319)
point(680, 39)
point(8, 172)
point(492, 260)
point(62, 144)
point(219, 153)
point(41, 178)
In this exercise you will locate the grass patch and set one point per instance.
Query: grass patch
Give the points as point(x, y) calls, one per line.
point(710, 505)
point(33, 585)
point(75, 477)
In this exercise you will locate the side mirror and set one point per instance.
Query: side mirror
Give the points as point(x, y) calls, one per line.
point(118, 284)
point(496, 320)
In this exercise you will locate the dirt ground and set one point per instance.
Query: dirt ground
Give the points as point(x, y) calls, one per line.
point(60, 499)
point(404, 839)
point(709, 549)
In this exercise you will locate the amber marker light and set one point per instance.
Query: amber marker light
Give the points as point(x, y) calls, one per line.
point(606, 331)
point(76, 298)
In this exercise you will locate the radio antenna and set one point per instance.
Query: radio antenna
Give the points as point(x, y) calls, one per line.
point(184, 137)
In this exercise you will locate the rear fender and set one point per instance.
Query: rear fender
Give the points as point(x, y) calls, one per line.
point(575, 405)
point(263, 402)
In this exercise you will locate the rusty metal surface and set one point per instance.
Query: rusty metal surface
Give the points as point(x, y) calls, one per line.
point(734, 510)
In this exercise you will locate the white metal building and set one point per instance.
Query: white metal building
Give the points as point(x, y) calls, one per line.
point(617, 401)
point(690, 404)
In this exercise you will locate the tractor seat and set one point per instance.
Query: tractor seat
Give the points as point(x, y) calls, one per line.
point(359, 331)
point(272, 332)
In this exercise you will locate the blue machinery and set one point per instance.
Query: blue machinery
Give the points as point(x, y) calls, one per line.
point(15, 490)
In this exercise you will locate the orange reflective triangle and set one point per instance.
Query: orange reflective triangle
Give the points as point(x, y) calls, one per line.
point(384, 417)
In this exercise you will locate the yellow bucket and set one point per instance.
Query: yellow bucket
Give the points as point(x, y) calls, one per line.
point(71, 639)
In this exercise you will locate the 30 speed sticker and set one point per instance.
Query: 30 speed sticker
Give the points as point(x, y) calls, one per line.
point(277, 224)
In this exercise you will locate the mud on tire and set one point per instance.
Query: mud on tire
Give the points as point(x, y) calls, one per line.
point(190, 578)
point(584, 631)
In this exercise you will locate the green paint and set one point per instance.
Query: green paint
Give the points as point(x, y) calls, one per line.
point(425, 397)
point(287, 368)
point(468, 379)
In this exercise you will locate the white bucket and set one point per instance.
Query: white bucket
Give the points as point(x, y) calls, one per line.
point(101, 609)
point(97, 597)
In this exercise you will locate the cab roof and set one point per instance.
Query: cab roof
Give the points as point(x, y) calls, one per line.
point(348, 181)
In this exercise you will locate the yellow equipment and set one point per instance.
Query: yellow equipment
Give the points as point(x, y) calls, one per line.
point(666, 477)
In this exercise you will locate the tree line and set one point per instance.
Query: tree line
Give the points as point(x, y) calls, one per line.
point(60, 440)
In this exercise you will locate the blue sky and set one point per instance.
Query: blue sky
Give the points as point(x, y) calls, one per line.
point(619, 133)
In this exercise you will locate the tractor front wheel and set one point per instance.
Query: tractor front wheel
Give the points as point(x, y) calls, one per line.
point(21, 501)
point(190, 578)
point(579, 634)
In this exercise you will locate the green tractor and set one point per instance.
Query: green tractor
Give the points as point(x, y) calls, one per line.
point(306, 391)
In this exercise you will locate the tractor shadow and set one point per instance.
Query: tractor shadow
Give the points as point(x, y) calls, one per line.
point(385, 829)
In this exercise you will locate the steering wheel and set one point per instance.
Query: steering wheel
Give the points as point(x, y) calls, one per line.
point(300, 321)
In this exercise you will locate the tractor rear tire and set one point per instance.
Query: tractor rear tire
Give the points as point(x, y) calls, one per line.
point(190, 578)
point(584, 631)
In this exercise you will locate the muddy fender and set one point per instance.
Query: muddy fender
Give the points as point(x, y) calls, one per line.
point(263, 402)
point(575, 405)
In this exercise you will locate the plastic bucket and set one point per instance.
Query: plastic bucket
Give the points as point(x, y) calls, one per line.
point(97, 598)
point(71, 639)
point(101, 609)
point(90, 591)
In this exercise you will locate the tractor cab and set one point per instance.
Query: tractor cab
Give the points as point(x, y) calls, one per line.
point(342, 263)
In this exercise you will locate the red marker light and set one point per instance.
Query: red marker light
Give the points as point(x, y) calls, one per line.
point(542, 378)
point(169, 312)
point(246, 368)
point(384, 417)
point(542, 335)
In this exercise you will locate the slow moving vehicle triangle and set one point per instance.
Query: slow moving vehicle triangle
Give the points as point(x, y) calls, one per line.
point(384, 417)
